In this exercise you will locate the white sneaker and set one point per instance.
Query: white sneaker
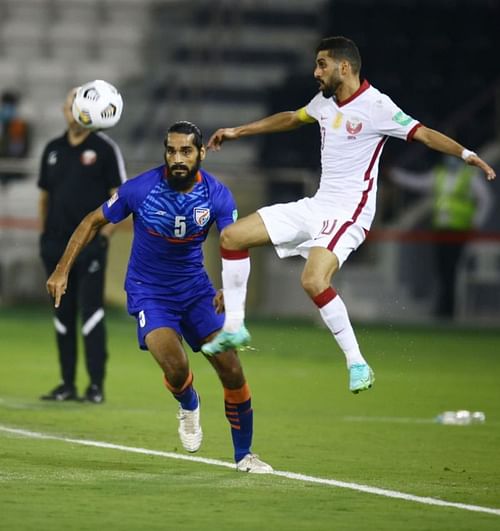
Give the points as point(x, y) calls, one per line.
point(190, 431)
point(252, 464)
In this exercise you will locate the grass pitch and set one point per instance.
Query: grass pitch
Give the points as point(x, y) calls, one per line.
point(305, 422)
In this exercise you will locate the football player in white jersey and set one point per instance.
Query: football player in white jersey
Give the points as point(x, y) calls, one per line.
point(355, 121)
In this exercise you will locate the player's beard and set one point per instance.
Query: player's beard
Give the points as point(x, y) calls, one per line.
point(181, 183)
point(328, 90)
point(331, 85)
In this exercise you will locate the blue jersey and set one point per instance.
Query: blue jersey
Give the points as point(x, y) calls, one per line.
point(166, 260)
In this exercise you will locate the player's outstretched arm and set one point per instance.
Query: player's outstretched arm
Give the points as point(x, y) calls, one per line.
point(84, 233)
point(282, 121)
point(440, 142)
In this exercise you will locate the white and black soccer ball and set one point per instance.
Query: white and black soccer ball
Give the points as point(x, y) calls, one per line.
point(97, 105)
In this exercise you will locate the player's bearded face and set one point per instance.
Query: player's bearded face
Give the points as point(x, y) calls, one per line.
point(329, 84)
point(327, 74)
point(181, 177)
point(183, 159)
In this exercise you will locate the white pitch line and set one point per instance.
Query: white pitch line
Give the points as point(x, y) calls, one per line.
point(111, 446)
point(397, 420)
point(289, 475)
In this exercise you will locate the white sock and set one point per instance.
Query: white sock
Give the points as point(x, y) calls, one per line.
point(235, 275)
point(335, 316)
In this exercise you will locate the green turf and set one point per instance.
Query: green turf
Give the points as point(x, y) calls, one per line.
point(305, 422)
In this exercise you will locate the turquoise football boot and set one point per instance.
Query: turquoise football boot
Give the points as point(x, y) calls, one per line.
point(361, 377)
point(226, 340)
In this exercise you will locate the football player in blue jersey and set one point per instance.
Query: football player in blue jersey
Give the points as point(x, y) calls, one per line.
point(168, 290)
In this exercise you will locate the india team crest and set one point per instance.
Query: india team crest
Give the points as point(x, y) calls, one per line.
point(201, 216)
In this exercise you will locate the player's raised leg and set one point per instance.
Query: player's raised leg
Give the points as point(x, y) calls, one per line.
point(239, 411)
point(320, 267)
point(165, 345)
point(236, 240)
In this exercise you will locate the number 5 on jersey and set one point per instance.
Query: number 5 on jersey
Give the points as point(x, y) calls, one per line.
point(180, 226)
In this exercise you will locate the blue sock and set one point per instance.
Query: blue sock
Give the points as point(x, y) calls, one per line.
point(188, 399)
point(240, 417)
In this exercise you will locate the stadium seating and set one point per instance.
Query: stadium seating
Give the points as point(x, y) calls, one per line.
point(48, 46)
point(223, 53)
point(23, 39)
point(85, 13)
point(215, 61)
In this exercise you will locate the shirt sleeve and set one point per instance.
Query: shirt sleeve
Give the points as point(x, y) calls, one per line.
point(304, 117)
point(119, 206)
point(225, 208)
point(312, 109)
point(115, 165)
point(42, 176)
point(388, 119)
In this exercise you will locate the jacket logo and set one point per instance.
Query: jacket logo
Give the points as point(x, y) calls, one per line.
point(52, 158)
point(201, 216)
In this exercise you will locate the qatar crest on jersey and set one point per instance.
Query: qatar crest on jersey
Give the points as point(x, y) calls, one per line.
point(201, 216)
point(353, 126)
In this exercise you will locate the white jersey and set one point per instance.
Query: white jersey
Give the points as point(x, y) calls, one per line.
point(353, 133)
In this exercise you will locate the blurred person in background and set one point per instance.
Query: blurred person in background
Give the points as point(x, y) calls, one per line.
point(168, 290)
point(461, 203)
point(79, 170)
point(14, 133)
point(355, 121)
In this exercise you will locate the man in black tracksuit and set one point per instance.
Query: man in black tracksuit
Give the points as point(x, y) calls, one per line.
point(79, 171)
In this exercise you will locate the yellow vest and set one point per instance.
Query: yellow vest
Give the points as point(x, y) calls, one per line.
point(454, 205)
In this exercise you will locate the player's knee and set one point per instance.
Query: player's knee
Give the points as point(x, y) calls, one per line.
point(176, 370)
point(313, 284)
point(177, 375)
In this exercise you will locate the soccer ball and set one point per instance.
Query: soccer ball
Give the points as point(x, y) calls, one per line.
point(97, 105)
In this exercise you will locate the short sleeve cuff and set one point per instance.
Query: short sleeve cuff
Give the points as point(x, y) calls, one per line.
point(411, 134)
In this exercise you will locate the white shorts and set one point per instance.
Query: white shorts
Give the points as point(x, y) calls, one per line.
point(296, 227)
